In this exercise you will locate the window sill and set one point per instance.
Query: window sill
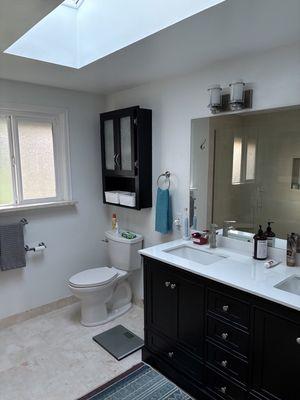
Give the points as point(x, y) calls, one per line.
point(36, 206)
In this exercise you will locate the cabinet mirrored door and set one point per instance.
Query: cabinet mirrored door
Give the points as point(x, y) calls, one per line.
point(126, 149)
point(119, 145)
point(109, 145)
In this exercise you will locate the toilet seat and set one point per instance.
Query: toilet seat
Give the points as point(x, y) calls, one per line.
point(94, 277)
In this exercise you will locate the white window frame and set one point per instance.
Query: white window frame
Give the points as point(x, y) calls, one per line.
point(61, 149)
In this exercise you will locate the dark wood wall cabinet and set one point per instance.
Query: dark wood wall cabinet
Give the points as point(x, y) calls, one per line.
point(217, 342)
point(126, 147)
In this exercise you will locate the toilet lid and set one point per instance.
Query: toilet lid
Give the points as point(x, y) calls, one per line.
point(93, 277)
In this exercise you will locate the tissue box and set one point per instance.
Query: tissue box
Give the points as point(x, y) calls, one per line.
point(127, 199)
point(112, 197)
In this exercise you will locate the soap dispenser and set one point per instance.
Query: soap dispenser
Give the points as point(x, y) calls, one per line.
point(270, 235)
point(260, 245)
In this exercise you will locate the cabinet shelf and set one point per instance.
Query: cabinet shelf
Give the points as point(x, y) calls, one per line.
point(126, 148)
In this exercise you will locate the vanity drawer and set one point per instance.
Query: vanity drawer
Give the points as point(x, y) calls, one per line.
point(229, 308)
point(226, 362)
point(228, 336)
point(223, 387)
point(181, 360)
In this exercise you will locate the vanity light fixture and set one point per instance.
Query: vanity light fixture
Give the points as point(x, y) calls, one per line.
point(215, 103)
point(232, 98)
point(237, 95)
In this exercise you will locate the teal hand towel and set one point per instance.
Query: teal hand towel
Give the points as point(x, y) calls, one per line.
point(163, 217)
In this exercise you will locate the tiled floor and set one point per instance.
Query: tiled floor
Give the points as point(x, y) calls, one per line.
point(53, 357)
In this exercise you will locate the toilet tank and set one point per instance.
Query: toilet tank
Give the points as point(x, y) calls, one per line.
point(122, 252)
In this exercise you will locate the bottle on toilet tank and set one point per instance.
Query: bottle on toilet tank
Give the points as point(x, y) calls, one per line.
point(260, 245)
point(114, 221)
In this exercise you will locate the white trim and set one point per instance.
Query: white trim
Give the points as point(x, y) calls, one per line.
point(35, 206)
point(58, 117)
point(12, 108)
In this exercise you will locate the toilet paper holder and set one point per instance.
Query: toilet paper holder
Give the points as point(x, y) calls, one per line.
point(40, 247)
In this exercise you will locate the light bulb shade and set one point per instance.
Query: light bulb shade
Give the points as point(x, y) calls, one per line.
point(215, 101)
point(215, 95)
point(237, 97)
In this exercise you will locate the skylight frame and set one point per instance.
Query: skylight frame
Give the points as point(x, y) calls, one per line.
point(78, 32)
point(73, 3)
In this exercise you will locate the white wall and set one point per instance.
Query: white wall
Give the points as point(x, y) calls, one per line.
point(72, 234)
point(275, 78)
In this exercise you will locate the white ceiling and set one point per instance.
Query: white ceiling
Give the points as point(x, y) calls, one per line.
point(230, 29)
point(76, 37)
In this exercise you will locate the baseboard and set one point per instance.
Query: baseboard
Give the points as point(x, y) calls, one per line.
point(35, 312)
point(138, 302)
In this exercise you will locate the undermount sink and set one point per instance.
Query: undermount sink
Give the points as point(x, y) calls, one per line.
point(291, 285)
point(200, 256)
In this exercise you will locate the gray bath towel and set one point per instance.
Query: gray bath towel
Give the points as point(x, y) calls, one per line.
point(12, 253)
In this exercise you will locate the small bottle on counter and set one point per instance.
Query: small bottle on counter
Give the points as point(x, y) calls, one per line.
point(270, 235)
point(260, 244)
point(291, 249)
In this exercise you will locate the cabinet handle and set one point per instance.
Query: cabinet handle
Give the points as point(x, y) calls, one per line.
point(224, 336)
point(225, 308)
point(173, 286)
point(223, 389)
point(115, 159)
point(118, 160)
point(171, 354)
point(167, 284)
point(224, 363)
point(298, 340)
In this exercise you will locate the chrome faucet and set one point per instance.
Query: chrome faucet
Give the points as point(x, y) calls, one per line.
point(227, 225)
point(213, 236)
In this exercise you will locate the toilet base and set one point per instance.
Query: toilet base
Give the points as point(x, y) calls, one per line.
point(111, 315)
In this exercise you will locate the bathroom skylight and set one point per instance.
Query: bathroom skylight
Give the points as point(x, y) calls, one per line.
point(79, 32)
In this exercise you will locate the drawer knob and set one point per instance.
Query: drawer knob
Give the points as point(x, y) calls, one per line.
point(173, 285)
point(224, 336)
point(224, 363)
point(298, 340)
point(225, 308)
point(223, 389)
point(167, 284)
point(171, 354)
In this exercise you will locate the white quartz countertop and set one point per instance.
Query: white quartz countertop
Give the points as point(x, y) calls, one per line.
point(238, 270)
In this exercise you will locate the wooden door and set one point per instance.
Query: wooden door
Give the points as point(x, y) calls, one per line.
point(276, 358)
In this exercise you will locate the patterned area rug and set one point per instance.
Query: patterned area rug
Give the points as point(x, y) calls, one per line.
point(139, 383)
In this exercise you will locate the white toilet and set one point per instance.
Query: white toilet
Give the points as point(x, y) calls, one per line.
point(105, 292)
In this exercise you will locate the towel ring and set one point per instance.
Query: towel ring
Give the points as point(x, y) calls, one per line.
point(166, 175)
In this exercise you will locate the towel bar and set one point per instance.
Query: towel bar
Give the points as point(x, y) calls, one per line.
point(167, 175)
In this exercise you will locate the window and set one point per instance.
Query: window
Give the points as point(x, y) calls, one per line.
point(34, 158)
point(250, 160)
point(237, 161)
point(243, 160)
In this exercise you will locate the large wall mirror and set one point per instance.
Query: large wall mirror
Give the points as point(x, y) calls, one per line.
point(246, 168)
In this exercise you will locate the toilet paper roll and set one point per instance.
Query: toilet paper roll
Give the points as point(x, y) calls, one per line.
point(39, 248)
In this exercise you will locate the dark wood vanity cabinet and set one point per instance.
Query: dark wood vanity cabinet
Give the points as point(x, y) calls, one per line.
point(276, 358)
point(217, 342)
point(174, 307)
